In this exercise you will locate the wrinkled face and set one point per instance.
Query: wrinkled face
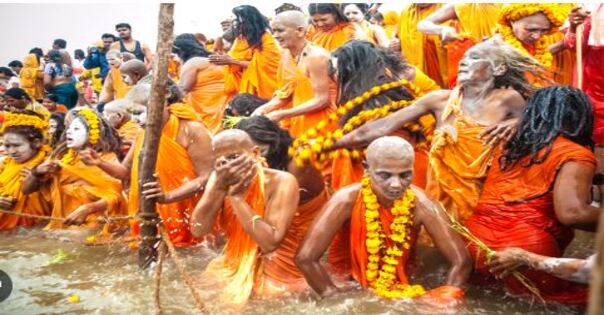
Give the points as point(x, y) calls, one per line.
point(18, 147)
point(107, 41)
point(531, 28)
point(324, 22)
point(390, 177)
point(114, 118)
point(353, 13)
point(52, 126)
point(48, 104)
point(114, 61)
point(76, 134)
point(475, 66)
point(286, 35)
point(123, 32)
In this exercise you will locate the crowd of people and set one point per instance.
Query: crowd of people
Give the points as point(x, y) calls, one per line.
point(319, 145)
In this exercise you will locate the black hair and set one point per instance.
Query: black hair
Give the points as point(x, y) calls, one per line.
point(362, 66)
point(266, 131)
point(121, 25)
point(251, 24)
point(7, 71)
point(61, 43)
point(186, 46)
point(17, 93)
point(15, 63)
point(78, 53)
point(550, 112)
point(243, 104)
point(60, 118)
point(327, 8)
point(287, 7)
point(38, 52)
point(107, 35)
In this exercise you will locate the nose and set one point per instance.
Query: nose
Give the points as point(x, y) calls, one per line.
point(396, 183)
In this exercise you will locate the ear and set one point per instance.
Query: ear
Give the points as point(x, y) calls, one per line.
point(256, 151)
point(36, 144)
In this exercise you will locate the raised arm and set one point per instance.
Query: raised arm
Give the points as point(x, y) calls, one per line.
point(326, 224)
point(432, 24)
point(572, 197)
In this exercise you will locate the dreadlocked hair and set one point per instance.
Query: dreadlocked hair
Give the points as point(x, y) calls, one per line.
point(550, 112)
point(362, 66)
point(251, 24)
point(265, 131)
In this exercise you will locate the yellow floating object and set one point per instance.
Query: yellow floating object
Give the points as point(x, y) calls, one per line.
point(74, 298)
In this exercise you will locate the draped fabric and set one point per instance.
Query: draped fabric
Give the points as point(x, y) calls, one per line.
point(516, 209)
point(28, 77)
point(120, 89)
point(260, 76)
point(11, 181)
point(458, 161)
point(335, 37)
point(208, 98)
point(391, 21)
point(174, 168)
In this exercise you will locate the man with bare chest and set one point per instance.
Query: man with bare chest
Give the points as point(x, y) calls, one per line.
point(128, 44)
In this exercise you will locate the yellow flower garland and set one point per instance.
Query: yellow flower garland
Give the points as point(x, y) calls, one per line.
point(383, 280)
point(513, 12)
point(93, 122)
point(69, 157)
point(313, 144)
point(16, 119)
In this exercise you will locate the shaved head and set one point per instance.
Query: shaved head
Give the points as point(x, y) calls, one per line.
point(232, 137)
point(389, 148)
point(291, 19)
point(134, 67)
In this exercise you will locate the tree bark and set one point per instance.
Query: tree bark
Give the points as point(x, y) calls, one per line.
point(147, 211)
point(596, 288)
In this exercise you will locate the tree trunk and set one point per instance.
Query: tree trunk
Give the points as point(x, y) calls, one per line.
point(596, 288)
point(147, 212)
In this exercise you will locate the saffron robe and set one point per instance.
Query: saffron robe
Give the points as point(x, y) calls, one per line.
point(516, 209)
point(208, 98)
point(30, 77)
point(260, 76)
point(335, 37)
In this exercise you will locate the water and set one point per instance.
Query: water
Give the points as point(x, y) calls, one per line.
point(108, 281)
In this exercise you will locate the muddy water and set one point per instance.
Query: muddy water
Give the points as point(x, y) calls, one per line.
point(107, 281)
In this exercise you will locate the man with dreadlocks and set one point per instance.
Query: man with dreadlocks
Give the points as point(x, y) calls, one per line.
point(488, 101)
point(538, 189)
point(252, 62)
point(202, 81)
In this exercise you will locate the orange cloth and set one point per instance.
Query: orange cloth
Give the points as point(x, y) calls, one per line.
point(516, 209)
point(260, 76)
point(61, 108)
point(29, 79)
point(120, 89)
point(208, 98)
point(458, 161)
point(358, 249)
point(367, 32)
point(36, 203)
point(335, 37)
point(298, 86)
point(78, 184)
point(174, 167)
point(391, 22)
point(128, 133)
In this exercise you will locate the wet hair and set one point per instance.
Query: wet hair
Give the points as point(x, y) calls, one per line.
point(30, 133)
point(362, 66)
point(15, 63)
point(550, 112)
point(243, 104)
point(251, 24)
point(78, 53)
point(287, 7)
point(59, 42)
point(186, 46)
point(7, 71)
point(17, 93)
point(38, 52)
point(121, 25)
point(107, 35)
point(327, 8)
point(265, 131)
point(60, 118)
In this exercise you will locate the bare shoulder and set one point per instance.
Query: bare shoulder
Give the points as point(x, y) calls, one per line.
point(318, 53)
point(346, 196)
point(195, 127)
point(509, 97)
point(436, 100)
point(424, 204)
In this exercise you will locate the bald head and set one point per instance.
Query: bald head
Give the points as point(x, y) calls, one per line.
point(291, 19)
point(116, 113)
point(232, 138)
point(133, 71)
point(117, 106)
point(391, 148)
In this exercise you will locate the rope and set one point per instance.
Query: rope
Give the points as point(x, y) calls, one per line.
point(181, 271)
point(45, 217)
point(160, 262)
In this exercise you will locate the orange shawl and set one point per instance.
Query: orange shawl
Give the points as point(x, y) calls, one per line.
point(10, 185)
point(335, 37)
point(120, 89)
point(358, 236)
point(28, 77)
point(208, 98)
point(260, 76)
point(174, 167)
point(129, 131)
point(78, 184)
point(458, 160)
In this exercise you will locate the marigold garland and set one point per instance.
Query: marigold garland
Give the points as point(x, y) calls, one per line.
point(94, 132)
point(69, 157)
point(313, 145)
point(16, 119)
point(383, 279)
point(513, 12)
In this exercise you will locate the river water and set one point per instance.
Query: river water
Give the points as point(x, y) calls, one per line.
point(106, 280)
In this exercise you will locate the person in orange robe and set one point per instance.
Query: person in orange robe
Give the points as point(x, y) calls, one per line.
point(536, 193)
point(80, 193)
point(31, 77)
point(331, 29)
point(388, 20)
point(114, 87)
point(202, 82)
point(474, 23)
point(385, 187)
point(183, 164)
point(23, 139)
point(356, 12)
point(423, 51)
point(117, 115)
point(252, 62)
point(255, 206)
point(459, 158)
point(306, 81)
